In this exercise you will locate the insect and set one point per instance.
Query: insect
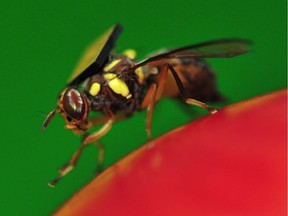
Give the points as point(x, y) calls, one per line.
point(118, 86)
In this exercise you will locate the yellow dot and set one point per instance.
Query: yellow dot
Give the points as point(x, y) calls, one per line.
point(119, 87)
point(130, 53)
point(95, 88)
point(140, 74)
point(111, 65)
point(109, 76)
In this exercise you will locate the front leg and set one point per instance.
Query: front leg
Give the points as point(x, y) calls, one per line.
point(87, 140)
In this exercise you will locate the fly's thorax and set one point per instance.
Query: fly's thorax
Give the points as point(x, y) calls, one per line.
point(113, 87)
point(106, 83)
point(115, 77)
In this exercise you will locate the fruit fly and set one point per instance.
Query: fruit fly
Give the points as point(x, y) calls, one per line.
point(118, 85)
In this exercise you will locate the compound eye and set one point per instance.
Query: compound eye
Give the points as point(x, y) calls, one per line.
point(74, 104)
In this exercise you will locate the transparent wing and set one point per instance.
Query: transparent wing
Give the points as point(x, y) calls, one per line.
point(225, 48)
point(95, 56)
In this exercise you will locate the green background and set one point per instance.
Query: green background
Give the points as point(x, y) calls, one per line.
point(41, 42)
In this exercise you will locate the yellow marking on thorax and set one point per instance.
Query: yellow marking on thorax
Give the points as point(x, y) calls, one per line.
point(117, 85)
point(140, 74)
point(111, 65)
point(130, 53)
point(109, 76)
point(95, 88)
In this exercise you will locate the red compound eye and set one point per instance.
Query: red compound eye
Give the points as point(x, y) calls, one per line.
point(74, 103)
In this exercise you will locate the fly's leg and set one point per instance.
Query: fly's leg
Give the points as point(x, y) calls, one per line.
point(98, 134)
point(149, 102)
point(153, 94)
point(180, 86)
point(100, 157)
point(68, 166)
point(155, 91)
point(200, 104)
point(87, 140)
point(93, 138)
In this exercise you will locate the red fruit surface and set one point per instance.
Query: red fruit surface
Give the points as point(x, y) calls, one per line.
point(229, 163)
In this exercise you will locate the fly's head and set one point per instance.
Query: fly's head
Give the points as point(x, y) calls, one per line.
point(73, 107)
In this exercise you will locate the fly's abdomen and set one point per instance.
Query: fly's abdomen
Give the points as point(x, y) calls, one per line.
point(197, 77)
